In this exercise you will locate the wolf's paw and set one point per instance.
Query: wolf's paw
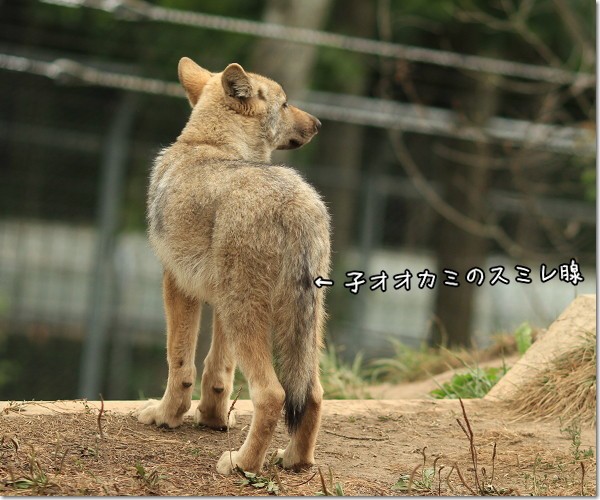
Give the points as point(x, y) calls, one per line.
point(288, 461)
point(218, 423)
point(227, 462)
point(154, 412)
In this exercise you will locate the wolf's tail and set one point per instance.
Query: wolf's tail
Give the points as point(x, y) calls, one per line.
point(299, 319)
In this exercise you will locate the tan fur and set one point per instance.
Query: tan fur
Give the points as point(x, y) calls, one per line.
point(249, 238)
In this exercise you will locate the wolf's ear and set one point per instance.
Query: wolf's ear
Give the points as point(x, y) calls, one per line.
point(236, 82)
point(192, 78)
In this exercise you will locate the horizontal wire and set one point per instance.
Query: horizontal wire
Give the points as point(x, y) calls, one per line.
point(337, 107)
point(135, 10)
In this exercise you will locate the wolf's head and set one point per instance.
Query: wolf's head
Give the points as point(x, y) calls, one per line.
point(235, 102)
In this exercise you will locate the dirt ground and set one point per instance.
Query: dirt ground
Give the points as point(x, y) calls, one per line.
point(55, 448)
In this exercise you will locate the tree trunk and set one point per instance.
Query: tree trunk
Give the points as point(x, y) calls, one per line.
point(465, 188)
point(289, 64)
point(341, 144)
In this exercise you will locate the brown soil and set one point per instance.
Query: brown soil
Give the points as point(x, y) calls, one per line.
point(369, 445)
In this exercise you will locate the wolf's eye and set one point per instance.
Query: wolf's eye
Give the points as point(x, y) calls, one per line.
point(284, 105)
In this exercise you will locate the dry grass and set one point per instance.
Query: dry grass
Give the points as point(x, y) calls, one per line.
point(565, 389)
point(539, 472)
point(411, 364)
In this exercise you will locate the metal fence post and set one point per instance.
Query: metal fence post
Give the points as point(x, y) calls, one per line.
point(109, 204)
point(371, 229)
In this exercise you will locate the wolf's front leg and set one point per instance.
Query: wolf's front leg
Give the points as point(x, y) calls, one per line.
point(217, 381)
point(183, 322)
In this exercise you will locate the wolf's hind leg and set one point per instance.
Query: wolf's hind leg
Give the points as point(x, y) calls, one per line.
point(250, 338)
point(217, 381)
point(301, 448)
point(300, 452)
point(183, 323)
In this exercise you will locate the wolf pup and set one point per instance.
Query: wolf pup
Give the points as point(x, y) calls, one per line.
point(249, 238)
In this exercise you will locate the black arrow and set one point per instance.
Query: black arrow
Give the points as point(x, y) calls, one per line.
point(321, 282)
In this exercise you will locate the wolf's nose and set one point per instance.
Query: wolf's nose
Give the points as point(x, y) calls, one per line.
point(317, 124)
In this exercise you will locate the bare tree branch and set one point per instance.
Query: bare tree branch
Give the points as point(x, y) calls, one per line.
point(574, 28)
point(472, 226)
point(517, 22)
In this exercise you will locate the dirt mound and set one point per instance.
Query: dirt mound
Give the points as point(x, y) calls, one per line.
point(556, 377)
point(565, 389)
